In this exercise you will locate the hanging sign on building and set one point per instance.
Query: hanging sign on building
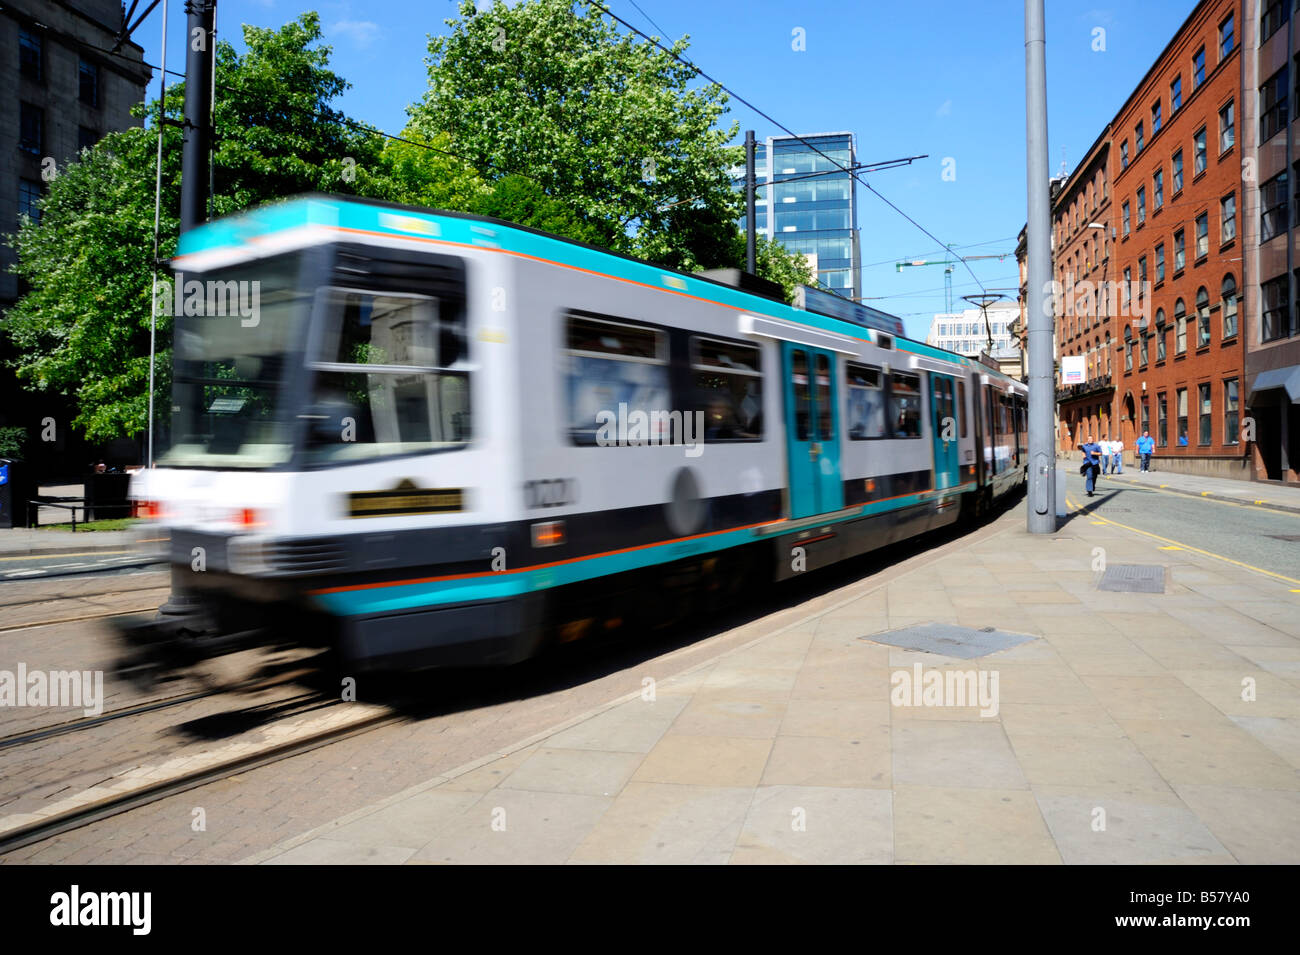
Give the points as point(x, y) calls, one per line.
point(1073, 369)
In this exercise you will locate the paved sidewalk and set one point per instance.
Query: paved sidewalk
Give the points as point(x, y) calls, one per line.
point(1264, 494)
point(21, 541)
point(1132, 728)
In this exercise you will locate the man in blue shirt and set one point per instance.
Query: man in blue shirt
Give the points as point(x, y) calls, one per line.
point(1091, 464)
point(1146, 447)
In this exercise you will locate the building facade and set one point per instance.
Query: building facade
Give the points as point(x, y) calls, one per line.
point(811, 207)
point(965, 332)
point(1270, 71)
point(1083, 268)
point(62, 90)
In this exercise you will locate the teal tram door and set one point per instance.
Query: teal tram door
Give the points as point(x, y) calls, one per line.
point(812, 426)
point(943, 406)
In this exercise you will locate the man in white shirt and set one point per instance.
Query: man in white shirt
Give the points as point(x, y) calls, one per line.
point(1104, 444)
point(1117, 459)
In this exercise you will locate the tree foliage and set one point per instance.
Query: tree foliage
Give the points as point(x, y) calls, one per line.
point(83, 328)
point(609, 125)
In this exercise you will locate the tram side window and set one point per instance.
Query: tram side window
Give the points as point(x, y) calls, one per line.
point(728, 389)
point(617, 383)
point(383, 384)
point(904, 405)
point(961, 406)
point(866, 400)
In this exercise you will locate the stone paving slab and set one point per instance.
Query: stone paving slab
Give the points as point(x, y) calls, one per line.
point(1159, 730)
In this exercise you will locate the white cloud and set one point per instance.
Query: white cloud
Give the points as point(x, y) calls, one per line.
point(945, 109)
point(360, 32)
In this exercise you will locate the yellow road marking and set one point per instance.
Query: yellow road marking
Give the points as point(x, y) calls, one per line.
point(1171, 548)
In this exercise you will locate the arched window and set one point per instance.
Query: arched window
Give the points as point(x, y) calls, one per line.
point(1180, 327)
point(1229, 293)
point(1160, 334)
point(1202, 317)
point(1128, 349)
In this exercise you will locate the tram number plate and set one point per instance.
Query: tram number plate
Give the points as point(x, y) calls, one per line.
point(406, 501)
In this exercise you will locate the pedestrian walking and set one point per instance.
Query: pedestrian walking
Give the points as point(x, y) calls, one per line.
point(1091, 464)
point(1104, 444)
point(1146, 446)
point(1117, 456)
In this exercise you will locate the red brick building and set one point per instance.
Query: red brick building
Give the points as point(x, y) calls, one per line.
point(1148, 251)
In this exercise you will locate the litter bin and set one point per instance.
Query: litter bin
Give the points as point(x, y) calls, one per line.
point(105, 496)
point(16, 489)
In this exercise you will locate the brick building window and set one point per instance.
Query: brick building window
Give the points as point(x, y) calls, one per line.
point(1142, 275)
point(31, 128)
point(1198, 152)
point(1182, 415)
point(1180, 251)
point(31, 54)
point(1160, 263)
point(1178, 172)
point(1202, 317)
point(1160, 334)
point(1158, 189)
point(29, 194)
point(1206, 408)
point(1226, 37)
point(1143, 351)
point(1273, 93)
point(1175, 95)
point(1139, 140)
point(1123, 154)
point(1273, 207)
point(1230, 412)
point(1128, 349)
point(1275, 316)
point(1124, 217)
point(1227, 128)
point(1180, 327)
point(1162, 420)
point(1202, 234)
point(1155, 117)
point(1276, 13)
point(1228, 292)
point(1198, 68)
point(88, 82)
point(1227, 218)
point(1142, 204)
point(1127, 290)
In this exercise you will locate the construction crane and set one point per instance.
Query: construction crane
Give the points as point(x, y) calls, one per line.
point(947, 272)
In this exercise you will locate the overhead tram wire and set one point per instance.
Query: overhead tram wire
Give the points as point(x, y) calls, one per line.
point(700, 72)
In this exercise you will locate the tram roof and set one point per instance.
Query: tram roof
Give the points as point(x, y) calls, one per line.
point(316, 219)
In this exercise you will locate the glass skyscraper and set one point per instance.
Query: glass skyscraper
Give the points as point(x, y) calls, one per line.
point(814, 215)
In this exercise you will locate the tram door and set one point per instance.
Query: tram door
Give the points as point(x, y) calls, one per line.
point(943, 416)
point(812, 429)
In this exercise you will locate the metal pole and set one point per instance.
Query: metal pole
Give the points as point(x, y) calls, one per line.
point(157, 206)
point(198, 110)
point(751, 217)
point(1042, 386)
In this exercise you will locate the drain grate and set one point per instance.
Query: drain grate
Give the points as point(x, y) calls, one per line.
point(1134, 579)
point(950, 640)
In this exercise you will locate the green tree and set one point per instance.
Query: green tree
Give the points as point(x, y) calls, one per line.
point(610, 126)
point(775, 262)
point(83, 328)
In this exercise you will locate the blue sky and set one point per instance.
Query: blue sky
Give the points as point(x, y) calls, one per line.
point(943, 79)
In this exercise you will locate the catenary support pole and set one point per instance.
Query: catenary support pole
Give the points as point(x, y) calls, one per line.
point(1042, 385)
point(751, 221)
point(198, 111)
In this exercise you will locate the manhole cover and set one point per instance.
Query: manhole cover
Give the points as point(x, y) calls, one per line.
point(1286, 537)
point(1134, 579)
point(950, 640)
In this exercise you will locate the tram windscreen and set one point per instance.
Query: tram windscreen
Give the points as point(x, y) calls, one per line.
point(237, 333)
